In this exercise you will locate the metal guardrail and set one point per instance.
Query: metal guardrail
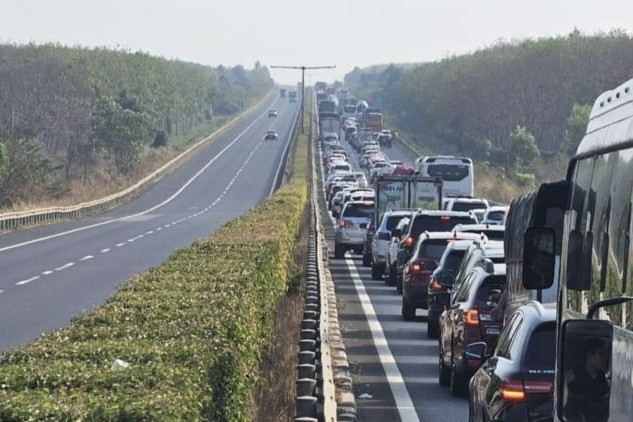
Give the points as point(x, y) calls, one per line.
point(13, 220)
point(324, 385)
point(284, 163)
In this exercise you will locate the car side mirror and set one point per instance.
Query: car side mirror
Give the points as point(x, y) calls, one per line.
point(584, 342)
point(475, 354)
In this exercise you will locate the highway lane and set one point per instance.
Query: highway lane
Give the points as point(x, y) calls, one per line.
point(52, 273)
point(394, 364)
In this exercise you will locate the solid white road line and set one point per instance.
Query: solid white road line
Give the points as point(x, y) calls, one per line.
point(405, 406)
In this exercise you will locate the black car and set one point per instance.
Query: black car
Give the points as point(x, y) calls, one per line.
point(516, 383)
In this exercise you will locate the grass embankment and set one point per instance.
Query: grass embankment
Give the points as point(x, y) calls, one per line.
point(194, 330)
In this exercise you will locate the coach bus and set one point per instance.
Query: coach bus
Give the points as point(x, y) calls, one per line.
point(595, 298)
point(456, 173)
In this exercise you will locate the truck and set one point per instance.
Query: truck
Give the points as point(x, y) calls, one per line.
point(373, 121)
point(406, 191)
point(522, 214)
point(329, 106)
point(329, 126)
point(282, 92)
point(292, 96)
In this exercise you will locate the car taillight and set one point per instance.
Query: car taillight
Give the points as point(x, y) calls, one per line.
point(512, 391)
point(471, 318)
point(408, 242)
point(383, 236)
point(344, 223)
point(416, 267)
point(436, 286)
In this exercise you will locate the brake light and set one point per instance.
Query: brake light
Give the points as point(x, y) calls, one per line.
point(512, 391)
point(383, 236)
point(445, 217)
point(344, 223)
point(471, 318)
point(408, 242)
point(436, 286)
point(416, 267)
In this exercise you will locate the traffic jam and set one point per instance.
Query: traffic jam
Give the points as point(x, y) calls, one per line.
point(454, 260)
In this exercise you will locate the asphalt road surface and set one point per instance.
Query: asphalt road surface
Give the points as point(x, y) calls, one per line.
point(53, 273)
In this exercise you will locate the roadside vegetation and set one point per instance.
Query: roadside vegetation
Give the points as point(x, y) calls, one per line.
point(78, 124)
point(518, 108)
point(196, 331)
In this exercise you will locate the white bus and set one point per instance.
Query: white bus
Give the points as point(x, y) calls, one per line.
point(595, 290)
point(456, 173)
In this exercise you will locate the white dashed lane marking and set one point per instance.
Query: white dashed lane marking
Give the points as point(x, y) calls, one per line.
point(106, 250)
point(27, 281)
point(86, 258)
point(66, 266)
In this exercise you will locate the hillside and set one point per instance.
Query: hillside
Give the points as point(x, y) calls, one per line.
point(77, 120)
point(471, 104)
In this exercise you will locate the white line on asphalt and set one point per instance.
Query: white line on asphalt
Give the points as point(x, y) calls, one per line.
point(149, 232)
point(65, 266)
point(1, 291)
point(118, 245)
point(149, 210)
point(106, 250)
point(27, 281)
point(140, 236)
point(87, 257)
point(394, 378)
point(47, 272)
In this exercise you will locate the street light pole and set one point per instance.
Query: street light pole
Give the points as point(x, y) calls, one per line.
point(303, 70)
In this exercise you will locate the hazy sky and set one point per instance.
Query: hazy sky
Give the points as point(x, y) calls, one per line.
point(343, 33)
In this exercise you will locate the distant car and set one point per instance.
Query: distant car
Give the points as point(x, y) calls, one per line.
point(465, 204)
point(380, 241)
point(272, 113)
point(492, 232)
point(516, 383)
point(495, 215)
point(271, 135)
point(350, 230)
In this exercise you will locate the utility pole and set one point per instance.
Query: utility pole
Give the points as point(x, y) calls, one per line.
point(303, 70)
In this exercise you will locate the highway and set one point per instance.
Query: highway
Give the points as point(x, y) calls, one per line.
point(53, 273)
point(394, 364)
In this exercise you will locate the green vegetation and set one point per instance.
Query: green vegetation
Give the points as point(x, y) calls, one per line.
point(94, 110)
point(193, 330)
point(472, 104)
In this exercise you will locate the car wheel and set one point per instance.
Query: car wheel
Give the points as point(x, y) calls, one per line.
point(431, 325)
point(391, 275)
point(366, 260)
point(339, 252)
point(376, 272)
point(443, 372)
point(408, 311)
point(456, 382)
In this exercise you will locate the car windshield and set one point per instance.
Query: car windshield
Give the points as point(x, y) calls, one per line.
point(540, 353)
point(359, 210)
point(392, 221)
point(496, 215)
point(438, 223)
point(432, 249)
point(453, 260)
point(467, 206)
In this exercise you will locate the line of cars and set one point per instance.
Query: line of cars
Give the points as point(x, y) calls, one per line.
point(451, 262)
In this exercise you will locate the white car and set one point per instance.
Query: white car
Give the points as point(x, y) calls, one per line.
point(495, 214)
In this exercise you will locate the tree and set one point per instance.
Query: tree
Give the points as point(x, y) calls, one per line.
point(523, 150)
point(575, 128)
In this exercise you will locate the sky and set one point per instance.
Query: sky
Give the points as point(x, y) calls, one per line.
point(340, 33)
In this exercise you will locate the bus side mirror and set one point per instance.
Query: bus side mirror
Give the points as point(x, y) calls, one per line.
point(585, 344)
point(539, 258)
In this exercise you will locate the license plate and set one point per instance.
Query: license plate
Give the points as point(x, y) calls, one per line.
point(493, 331)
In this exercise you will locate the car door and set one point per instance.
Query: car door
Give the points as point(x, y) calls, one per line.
point(448, 319)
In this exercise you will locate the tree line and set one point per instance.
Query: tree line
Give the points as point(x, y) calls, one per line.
point(63, 110)
point(529, 97)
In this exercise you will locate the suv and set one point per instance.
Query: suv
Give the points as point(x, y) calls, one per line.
point(351, 227)
point(417, 271)
point(272, 113)
point(447, 268)
point(492, 232)
point(271, 135)
point(481, 253)
point(391, 272)
point(495, 215)
point(522, 365)
point(468, 320)
point(380, 241)
point(461, 203)
point(423, 221)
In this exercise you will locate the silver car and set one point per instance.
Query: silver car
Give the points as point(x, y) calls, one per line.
point(382, 238)
point(351, 227)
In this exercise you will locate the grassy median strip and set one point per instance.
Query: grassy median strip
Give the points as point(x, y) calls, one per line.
point(193, 330)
